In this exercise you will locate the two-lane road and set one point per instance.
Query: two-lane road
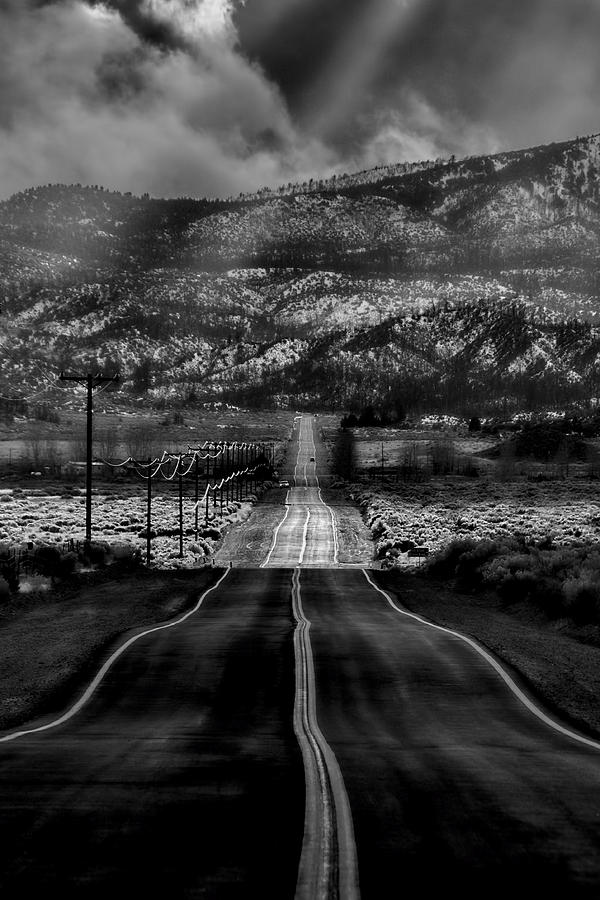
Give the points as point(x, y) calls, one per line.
point(299, 734)
point(306, 535)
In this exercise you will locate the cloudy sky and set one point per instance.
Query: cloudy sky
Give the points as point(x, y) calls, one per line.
point(214, 97)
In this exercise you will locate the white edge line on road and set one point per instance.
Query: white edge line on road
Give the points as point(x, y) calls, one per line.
point(304, 537)
point(275, 533)
point(334, 528)
point(326, 505)
point(525, 700)
point(287, 502)
point(107, 665)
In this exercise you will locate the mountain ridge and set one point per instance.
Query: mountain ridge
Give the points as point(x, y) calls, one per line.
point(240, 298)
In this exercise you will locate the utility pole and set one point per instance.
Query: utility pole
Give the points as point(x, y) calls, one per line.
point(180, 516)
point(149, 515)
point(196, 496)
point(228, 473)
point(91, 382)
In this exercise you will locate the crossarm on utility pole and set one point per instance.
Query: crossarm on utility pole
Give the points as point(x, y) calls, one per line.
point(91, 382)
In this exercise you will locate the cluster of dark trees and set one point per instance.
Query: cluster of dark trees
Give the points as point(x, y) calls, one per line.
point(370, 417)
point(11, 408)
point(543, 440)
point(343, 461)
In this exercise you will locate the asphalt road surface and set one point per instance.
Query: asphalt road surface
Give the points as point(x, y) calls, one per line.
point(306, 535)
point(456, 781)
point(300, 734)
point(180, 777)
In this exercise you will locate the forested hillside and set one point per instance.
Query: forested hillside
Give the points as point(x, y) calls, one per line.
point(436, 284)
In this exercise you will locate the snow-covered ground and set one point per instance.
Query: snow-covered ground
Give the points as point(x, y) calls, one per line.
point(434, 513)
point(38, 516)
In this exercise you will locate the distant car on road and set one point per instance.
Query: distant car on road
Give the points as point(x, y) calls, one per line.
point(312, 459)
point(284, 483)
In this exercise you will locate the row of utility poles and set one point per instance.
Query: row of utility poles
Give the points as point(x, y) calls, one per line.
point(235, 466)
point(235, 472)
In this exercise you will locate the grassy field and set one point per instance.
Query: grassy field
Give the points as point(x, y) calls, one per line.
point(42, 501)
point(56, 513)
point(415, 454)
point(428, 486)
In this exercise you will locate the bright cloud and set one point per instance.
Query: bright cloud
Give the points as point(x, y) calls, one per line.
point(213, 97)
point(85, 99)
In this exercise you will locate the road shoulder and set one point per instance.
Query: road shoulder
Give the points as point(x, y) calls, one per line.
point(563, 672)
point(52, 645)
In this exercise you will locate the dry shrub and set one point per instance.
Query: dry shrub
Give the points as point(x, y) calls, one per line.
point(106, 442)
point(140, 440)
point(561, 581)
point(78, 447)
point(582, 598)
point(442, 456)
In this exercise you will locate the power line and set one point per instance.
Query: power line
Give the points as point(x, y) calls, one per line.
point(251, 459)
point(52, 385)
point(23, 399)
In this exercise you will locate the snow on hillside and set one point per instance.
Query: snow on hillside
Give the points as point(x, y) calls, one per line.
point(209, 334)
point(405, 273)
point(314, 222)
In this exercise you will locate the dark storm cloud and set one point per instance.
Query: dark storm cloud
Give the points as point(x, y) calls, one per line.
point(293, 39)
point(146, 26)
point(502, 56)
point(120, 77)
point(139, 17)
point(499, 72)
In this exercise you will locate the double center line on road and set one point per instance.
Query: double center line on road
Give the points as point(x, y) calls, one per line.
point(319, 544)
point(328, 865)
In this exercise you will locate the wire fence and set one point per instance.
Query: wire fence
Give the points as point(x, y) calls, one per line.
point(17, 562)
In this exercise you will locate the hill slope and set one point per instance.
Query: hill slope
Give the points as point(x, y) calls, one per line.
point(414, 280)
